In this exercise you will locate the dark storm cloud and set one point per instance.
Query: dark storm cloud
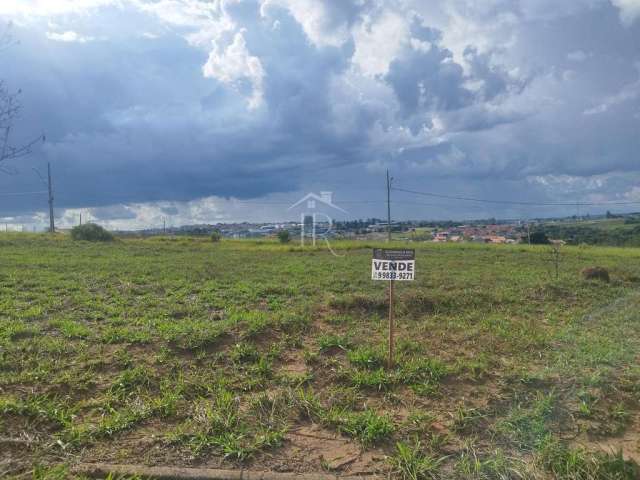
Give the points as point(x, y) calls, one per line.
point(131, 115)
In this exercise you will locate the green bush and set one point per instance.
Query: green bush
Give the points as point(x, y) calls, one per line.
point(216, 236)
point(91, 232)
point(284, 236)
point(539, 238)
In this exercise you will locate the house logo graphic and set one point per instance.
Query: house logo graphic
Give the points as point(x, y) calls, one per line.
point(315, 221)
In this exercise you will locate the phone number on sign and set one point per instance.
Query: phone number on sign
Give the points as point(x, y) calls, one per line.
point(392, 275)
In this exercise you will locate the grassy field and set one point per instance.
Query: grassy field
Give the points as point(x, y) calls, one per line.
point(614, 232)
point(170, 351)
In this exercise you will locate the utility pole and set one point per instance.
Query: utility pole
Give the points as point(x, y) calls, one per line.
point(391, 319)
point(388, 206)
point(164, 226)
point(80, 218)
point(52, 226)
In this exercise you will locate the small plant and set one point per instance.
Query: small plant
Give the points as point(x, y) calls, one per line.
point(215, 236)
point(555, 257)
point(368, 427)
point(332, 341)
point(370, 379)
point(367, 357)
point(465, 419)
point(91, 232)
point(244, 353)
point(410, 463)
point(71, 328)
point(527, 427)
point(284, 236)
point(427, 371)
point(473, 465)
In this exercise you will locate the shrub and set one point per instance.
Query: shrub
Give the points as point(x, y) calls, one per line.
point(595, 273)
point(539, 238)
point(216, 236)
point(284, 236)
point(91, 232)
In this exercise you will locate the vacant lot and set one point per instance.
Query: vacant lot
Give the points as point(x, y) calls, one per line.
point(184, 352)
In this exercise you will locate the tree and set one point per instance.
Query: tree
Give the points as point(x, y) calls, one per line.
point(216, 236)
point(9, 111)
point(284, 236)
point(539, 238)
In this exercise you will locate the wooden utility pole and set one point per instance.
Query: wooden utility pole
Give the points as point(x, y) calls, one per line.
point(52, 226)
point(391, 319)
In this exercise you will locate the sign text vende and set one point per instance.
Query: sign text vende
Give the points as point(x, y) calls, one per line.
point(393, 264)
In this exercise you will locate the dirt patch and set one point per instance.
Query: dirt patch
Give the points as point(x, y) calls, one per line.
point(595, 273)
point(294, 364)
point(319, 449)
point(628, 443)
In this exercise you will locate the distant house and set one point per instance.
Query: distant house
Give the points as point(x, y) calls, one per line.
point(495, 239)
point(441, 237)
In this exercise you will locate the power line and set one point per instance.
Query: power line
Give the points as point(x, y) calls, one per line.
point(512, 202)
point(15, 194)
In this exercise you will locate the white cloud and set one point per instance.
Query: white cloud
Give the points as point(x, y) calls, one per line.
point(184, 13)
point(577, 56)
point(378, 42)
point(629, 10)
point(69, 37)
point(318, 21)
point(45, 8)
point(633, 195)
point(629, 92)
point(233, 64)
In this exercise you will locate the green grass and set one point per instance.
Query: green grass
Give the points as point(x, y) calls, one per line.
point(411, 463)
point(220, 352)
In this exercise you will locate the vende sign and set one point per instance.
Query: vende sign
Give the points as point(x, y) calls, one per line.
point(388, 264)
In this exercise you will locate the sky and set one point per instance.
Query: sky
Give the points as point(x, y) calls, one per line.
point(205, 111)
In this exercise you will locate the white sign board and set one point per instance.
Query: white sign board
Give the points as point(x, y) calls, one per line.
point(393, 264)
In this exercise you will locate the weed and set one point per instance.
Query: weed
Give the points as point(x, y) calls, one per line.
point(131, 381)
point(367, 426)
point(309, 405)
point(370, 379)
point(422, 371)
point(71, 328)
point(367, 357)
point(528, 427)
point(411, 463)
point(245, 353)
point(576, 464)
point(466, 419)
point(496, 465)
point(331, 341)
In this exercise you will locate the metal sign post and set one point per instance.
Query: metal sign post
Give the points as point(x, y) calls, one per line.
point(392, 265)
